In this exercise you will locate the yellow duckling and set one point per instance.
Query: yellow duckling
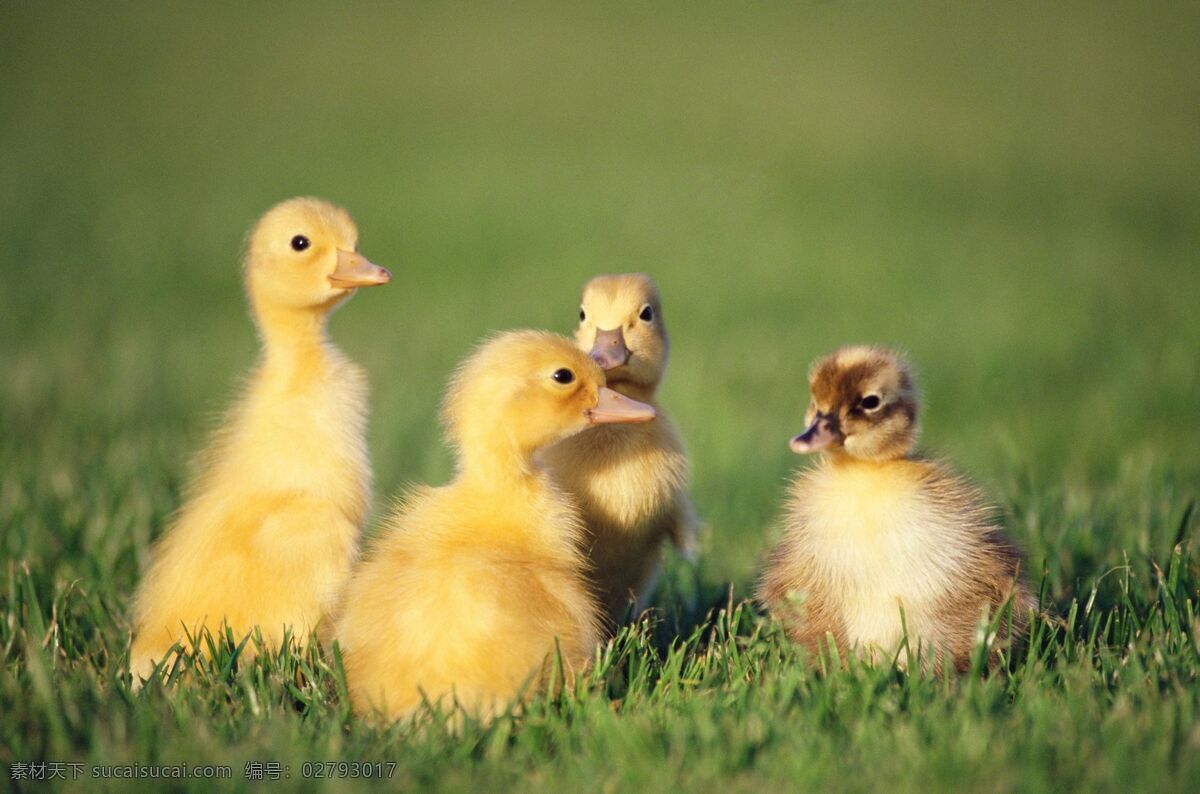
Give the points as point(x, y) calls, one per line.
point(473, 586)
point(630, 480)
point(872, 529)
point(271, 527)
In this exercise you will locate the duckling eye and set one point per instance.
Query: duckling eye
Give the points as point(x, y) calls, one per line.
point(582, 314)
point(300, 242)
point(870, 402)
point(647, 313)
point(563, 376)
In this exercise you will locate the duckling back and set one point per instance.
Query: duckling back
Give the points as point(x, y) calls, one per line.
point(460, 605)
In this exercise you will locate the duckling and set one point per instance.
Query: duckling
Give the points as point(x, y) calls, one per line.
point(271, 526)
point(631, 481)
point(473, 586)
point(873, 529)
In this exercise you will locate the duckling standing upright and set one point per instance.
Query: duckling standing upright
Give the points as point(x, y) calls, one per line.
point(473, 585)
point(630, 480)
point(873, 530)
point(271, 527)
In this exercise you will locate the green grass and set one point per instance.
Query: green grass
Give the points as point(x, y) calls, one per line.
point(1011, 194)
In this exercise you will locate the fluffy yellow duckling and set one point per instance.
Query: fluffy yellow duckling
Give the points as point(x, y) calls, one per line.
point(630, 480)
point(873, 529)
point(472, 586)
point(271, 527)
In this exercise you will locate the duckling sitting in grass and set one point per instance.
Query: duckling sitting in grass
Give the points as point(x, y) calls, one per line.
point(271, 527)
point(879, 542)
point(630, 480)
point(473, 587)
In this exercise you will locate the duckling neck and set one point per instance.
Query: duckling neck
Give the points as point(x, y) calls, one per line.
point(525, 506)
point(293, 340)
point(642, 392)
point(840, 459)
point(500, 468)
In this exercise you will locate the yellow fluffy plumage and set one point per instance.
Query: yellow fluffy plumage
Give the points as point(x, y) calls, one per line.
point(630, 480)
point(270, 529)
point(873, 531)
point(472, 586)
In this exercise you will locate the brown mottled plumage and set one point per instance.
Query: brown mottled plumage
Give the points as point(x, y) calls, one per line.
point(630, 480)
point(873, 531)
point(472, 587)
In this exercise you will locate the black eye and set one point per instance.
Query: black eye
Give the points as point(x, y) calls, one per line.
point(870, 402)
point(563, 375)
point(300, 242)
point(582, 314)
point(647, 313)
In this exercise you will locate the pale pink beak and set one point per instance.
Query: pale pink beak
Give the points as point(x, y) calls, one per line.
point(614, 408)
point(354, 270)
point(608, 350)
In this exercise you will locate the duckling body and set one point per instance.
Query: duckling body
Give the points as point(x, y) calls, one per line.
point(466, 596)
point(473, 587)
point(271, 527)
point(879, 543)
point(631, 481)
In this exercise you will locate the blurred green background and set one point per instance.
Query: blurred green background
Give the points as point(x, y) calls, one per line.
point(1010, 193)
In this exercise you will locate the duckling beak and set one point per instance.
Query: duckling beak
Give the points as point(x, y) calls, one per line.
point(614, 408)
point(608, 350)
point(354, 270)
point(820, 434)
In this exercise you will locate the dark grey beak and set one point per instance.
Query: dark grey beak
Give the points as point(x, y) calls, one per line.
point(822, 433)
point(609, 351)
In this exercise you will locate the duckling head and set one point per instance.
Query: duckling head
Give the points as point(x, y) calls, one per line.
point(523, 390)
point(621, 326)
point(303, 254)
point(864, 405)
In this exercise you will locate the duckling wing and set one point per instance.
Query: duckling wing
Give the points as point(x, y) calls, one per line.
point(682, 528)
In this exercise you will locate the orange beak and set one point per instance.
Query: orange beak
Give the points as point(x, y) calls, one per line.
point(614, 408)
point(354, 270)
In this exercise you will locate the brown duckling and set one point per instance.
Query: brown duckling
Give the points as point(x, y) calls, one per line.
point(879, 541)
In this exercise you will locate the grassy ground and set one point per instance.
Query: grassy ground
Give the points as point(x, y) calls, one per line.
point(1010, 194)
